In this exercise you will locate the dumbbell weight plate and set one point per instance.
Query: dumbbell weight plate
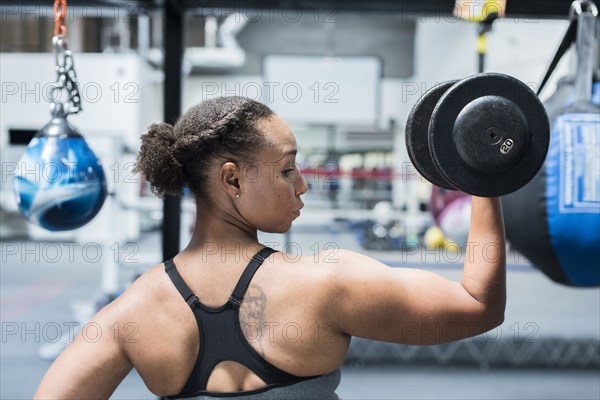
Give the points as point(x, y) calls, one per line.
point(416, 135)
point(489, 135)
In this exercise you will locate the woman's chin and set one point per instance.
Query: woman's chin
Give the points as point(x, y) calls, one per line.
point(283, 228)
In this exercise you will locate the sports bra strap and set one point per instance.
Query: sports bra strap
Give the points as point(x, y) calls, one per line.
point(238, 293)
point(242, 285)
point(179, 283)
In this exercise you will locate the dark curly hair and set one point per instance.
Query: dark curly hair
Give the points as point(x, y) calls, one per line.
point(173, 157)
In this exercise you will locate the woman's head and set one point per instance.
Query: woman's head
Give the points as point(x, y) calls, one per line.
point(172, 158)
point(231, 152)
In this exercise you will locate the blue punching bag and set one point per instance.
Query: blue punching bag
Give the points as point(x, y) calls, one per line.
point(60, 184)
point(555, 219)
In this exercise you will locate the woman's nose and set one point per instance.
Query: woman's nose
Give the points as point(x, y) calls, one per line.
point(301, 186)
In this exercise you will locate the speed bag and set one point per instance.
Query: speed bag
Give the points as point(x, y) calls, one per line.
point(554, 220)
point(60, 184)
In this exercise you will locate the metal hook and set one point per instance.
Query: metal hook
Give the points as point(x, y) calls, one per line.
point(580, 6)
point(60, 49)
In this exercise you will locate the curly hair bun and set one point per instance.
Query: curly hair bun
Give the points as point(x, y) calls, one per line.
point(155, 160)
point(223, 128)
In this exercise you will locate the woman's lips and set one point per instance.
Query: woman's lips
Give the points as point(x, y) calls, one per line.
point(297, 212)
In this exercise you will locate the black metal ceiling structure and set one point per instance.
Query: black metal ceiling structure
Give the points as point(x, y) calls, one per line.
point(535, 9)
point(173, 12)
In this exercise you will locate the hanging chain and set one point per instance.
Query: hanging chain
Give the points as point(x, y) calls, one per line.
point(66, 78)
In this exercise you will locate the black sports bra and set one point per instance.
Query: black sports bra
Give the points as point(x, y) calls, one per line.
point(221, 337)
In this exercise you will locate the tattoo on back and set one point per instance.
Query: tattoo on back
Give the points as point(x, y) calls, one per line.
point(252, 315)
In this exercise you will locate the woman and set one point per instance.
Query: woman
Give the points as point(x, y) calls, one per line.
point(229, 315)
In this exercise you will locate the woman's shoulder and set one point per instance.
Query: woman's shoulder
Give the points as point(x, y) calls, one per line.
point(318, 272)
point(331, 261)
point(153, 294)
point(149, 302)
point(151, 315)
point(329, 255)
point(151, 286)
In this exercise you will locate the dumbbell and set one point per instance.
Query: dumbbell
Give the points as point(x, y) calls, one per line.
point(486, 135)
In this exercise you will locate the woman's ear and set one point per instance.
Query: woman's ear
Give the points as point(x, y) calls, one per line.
point(229, 178)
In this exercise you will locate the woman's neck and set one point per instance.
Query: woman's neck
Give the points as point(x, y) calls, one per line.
point(216, 228)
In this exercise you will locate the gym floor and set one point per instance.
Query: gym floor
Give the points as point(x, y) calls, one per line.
point(44, 286)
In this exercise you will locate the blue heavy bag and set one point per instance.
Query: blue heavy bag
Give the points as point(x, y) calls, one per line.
point(554, 220)
point(60, 184)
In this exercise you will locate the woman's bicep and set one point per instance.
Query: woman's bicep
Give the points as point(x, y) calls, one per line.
point(402, 305)
point(90, 367)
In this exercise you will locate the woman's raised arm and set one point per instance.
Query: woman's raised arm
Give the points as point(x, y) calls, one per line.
point(412, 306)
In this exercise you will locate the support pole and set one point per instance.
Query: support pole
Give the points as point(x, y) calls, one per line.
point(173, 58)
